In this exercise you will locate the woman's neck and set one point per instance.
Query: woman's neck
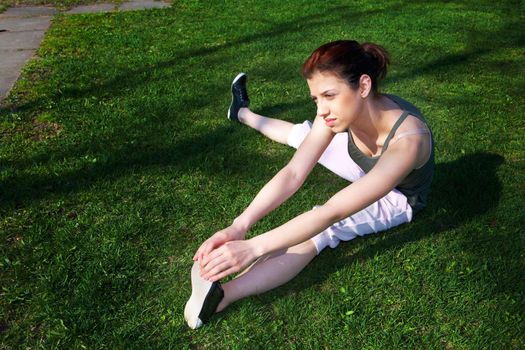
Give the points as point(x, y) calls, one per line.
point(372, 117)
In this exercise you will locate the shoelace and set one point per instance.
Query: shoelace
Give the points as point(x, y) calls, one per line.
point(242, 93)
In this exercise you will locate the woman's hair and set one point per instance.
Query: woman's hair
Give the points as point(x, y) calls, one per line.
point(349, 60)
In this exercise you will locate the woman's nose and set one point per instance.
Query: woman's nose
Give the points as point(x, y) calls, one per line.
point(322, 110)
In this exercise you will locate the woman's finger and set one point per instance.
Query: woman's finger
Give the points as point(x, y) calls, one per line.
point(206, 248)
point(220, 264)
point(198, 254)
point(201, 251)
point(223, 274)
point(207, 259)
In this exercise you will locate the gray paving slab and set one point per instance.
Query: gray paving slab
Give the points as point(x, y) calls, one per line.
point(24, 29)
point(25, 24)
point(28, 11)
point(142, 4)
point(14, 58)
point(12, 63)
point(96, 8)
point(21, 40)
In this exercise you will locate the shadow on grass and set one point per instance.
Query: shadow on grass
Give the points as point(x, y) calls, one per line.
point(480, 43)
point(203, 152)
point(208, 151)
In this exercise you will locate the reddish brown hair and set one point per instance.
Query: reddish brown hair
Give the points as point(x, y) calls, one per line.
point(349, 60)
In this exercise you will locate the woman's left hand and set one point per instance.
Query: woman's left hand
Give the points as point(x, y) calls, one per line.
point(229, 258)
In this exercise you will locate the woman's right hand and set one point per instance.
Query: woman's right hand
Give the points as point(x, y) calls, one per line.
point(231, 233)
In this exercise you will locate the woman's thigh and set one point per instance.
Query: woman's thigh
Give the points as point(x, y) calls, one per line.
point(390, 211)
point(335, 158)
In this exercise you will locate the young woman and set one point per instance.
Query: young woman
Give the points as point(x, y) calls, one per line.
point(380, 143)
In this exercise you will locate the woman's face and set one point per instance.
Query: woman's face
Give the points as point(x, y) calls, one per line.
point(337, 103)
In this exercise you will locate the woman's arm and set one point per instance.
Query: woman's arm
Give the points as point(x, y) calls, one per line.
point(394, 165)
point(289, 179)
point(281, 187)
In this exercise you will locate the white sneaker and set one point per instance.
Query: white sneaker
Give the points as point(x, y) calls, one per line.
point(204, 299)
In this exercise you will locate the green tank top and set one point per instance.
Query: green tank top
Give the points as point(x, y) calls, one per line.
point(416, 185)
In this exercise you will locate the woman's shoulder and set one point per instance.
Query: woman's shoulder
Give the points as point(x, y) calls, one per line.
point(414, 120)
point(404, 104)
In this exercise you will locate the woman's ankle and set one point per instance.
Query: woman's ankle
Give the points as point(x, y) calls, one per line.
point(222, 305)
point(231, 294)
point(242, 114)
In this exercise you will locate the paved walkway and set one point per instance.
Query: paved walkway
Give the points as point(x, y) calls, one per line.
point(22, 30)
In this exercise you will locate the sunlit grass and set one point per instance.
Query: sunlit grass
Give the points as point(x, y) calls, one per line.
point(117, 161)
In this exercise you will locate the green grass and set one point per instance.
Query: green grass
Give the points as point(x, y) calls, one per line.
point(117, 161)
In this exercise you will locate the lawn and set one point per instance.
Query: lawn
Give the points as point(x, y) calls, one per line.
point(117, 160)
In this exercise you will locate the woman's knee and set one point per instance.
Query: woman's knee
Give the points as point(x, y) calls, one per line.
point(306, 247)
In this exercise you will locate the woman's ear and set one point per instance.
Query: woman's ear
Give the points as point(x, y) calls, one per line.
point(365, 85)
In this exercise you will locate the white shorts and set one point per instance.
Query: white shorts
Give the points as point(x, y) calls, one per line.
point(390, 211)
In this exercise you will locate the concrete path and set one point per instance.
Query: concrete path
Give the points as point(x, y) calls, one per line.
point(22, 30)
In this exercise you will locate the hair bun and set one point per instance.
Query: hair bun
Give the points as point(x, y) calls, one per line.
point(380, 55)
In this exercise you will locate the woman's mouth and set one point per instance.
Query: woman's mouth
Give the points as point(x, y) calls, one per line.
point(329, 121)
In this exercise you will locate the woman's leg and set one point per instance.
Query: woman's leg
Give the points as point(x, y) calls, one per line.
point(390, 211)
point(275, 129)
point(335, 158)
point(268, 272)
point(276, 269)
